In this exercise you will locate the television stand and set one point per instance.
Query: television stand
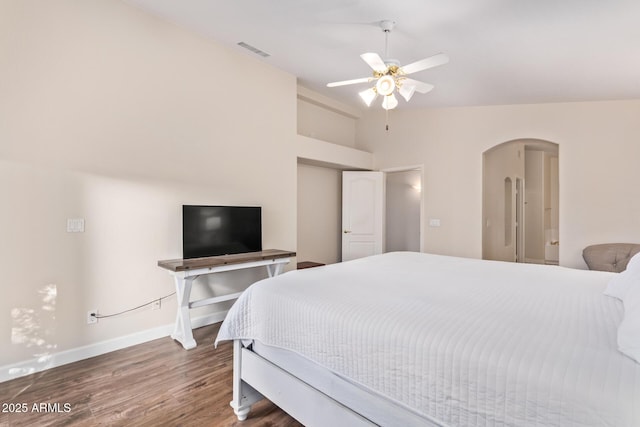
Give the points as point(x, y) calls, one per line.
point(185, 271)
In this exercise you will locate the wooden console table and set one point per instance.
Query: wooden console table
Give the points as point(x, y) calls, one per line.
point(185, 271)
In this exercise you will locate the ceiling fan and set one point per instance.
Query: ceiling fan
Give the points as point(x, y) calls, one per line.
point(390, 76)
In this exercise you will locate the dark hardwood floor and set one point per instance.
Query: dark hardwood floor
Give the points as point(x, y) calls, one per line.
point(153, 384)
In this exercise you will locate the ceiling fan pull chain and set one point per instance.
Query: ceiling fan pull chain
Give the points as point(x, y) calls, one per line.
point(386, 120)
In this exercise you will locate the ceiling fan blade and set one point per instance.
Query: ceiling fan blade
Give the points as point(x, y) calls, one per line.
point(350, 82)
point(423, 64)
point(420, 86)
point(374, 61)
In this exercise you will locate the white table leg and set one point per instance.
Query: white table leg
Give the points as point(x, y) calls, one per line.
point(182, 329)
point(275, 269)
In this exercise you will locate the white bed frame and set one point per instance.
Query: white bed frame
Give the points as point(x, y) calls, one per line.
point(255, 378)
point(251, 372)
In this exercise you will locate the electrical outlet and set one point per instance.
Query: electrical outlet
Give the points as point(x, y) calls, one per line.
point(156, 305)
point(91, 316)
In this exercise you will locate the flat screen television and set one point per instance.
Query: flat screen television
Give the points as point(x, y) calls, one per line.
point(220, 230)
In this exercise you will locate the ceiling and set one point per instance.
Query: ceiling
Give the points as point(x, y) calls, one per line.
point(501, 51)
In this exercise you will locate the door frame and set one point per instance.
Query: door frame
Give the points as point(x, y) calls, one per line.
point(534, 144)
point(420, 168)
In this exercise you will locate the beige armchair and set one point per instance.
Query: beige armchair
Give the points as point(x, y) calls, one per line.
point(609, 256)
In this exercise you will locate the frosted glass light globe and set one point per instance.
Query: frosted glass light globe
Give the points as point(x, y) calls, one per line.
point(385, 85)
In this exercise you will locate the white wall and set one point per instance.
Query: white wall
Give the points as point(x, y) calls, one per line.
point(598, 152)
point(117, 117)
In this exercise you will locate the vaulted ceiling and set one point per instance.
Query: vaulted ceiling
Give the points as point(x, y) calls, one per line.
point(501, 51)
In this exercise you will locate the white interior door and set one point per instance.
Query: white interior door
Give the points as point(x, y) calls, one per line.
point(362, 214)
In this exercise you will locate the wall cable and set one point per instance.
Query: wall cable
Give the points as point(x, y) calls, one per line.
point(103, 316)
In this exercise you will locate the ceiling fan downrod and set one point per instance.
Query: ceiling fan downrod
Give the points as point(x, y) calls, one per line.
point(386, 26)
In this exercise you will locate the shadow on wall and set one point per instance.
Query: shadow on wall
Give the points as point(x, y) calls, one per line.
point(33, 329)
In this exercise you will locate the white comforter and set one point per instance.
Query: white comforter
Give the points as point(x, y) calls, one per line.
point(465, 342)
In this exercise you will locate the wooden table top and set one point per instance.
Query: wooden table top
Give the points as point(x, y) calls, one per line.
point(215, 261)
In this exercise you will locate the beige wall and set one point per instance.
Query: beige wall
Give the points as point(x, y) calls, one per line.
point(598, 152)
point(319, 214)
point(402, 210)
point(325, 119)
point(111, 115)
point(114, 116)
point(321, 123)
point(534, 209)
point(325, 141)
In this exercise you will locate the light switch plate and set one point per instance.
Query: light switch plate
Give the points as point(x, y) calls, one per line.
point(75, 225)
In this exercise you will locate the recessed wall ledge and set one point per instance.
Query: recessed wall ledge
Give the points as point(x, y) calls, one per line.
point(328, 103)
point(321, 153)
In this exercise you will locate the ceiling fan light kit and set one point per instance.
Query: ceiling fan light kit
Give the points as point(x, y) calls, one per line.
point(368, 96)
point(389, 102)
point(390, 76)
point(385, 85)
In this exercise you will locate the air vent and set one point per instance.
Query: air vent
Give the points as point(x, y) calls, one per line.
point(254, 49)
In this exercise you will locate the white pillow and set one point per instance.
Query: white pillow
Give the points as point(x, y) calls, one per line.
point(629, 329)
point(620, 284)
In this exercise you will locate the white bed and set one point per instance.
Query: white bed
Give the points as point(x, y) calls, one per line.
point(417, 339)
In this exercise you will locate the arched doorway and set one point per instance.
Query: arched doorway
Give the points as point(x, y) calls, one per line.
point(520, 202)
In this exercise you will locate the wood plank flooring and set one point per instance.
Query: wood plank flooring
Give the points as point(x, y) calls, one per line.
point(152, 384)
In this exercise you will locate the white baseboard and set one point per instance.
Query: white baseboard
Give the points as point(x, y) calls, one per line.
point(27, 367)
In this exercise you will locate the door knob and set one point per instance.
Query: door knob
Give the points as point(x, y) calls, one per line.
point(346, 231)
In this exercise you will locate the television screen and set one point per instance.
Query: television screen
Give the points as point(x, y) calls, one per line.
point(220, 230)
